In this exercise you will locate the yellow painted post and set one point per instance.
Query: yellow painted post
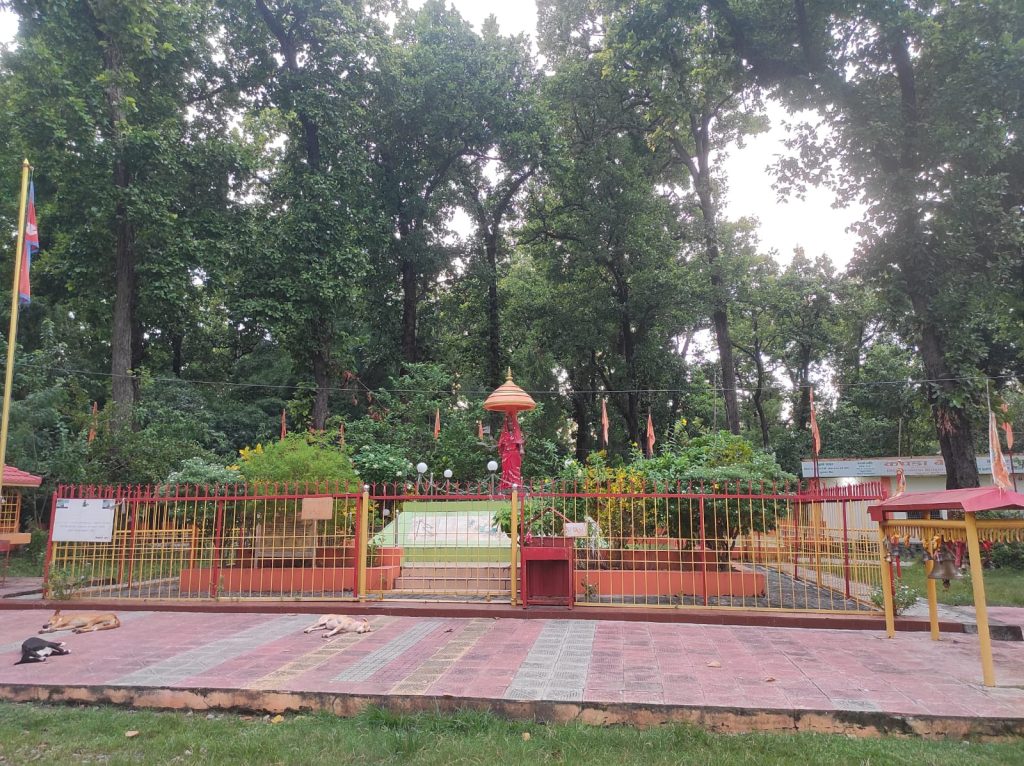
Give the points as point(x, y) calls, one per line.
point(988, 671)
point(514, 552)
point(816, 530)
point(12, 334)
point(933, 596)
point(890, 617)
point(361, 543)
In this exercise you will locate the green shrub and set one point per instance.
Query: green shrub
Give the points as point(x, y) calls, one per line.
point(904, 597)
point(202, 472)
point(1008, 556)
point(381, 464)
point(297, 458)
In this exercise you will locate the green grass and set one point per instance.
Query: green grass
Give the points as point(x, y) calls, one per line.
point(65, 735)
point(25, 564)
point(1003, 587)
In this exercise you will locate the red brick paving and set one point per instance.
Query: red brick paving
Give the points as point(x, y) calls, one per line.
point(647, 663)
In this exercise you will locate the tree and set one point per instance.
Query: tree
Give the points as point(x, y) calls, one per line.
point(307, 68)
point(694, 101)
point(605, 236)
point(437, 96)
point(923, 106)
point(102, 90)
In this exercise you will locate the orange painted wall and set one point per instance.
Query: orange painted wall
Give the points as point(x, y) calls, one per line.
point(610, 582)
point(194, 582)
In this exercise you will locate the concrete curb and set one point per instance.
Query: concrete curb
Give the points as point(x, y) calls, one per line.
point(461, 610)
point(729, 720)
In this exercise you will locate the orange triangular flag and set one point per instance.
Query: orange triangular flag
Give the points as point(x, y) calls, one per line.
point(815, 434)
point(95, 420)
point(995, 453)
point(437, 423)
point(604, 421)
point(650, 435)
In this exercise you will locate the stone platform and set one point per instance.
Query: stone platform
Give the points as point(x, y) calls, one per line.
point(725, 677)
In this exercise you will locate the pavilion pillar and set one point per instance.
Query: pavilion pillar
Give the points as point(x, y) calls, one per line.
point(988, 671)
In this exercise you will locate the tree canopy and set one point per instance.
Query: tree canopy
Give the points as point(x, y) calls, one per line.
point(360, 213)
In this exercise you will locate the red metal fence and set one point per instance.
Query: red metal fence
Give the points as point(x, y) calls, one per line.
point(730, 545)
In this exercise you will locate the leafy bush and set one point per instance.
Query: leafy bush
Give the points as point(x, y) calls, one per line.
point(1008, 556)
point(904, 597)
point(297, 458)
point(202, 472)
point(382, 464)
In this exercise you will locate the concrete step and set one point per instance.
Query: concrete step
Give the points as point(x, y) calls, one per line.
point(496, 595)
point(455, 570)
point(468, 584)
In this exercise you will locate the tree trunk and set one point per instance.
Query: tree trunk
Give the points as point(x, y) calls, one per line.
point(123, 355)
point(321, 378)
point(177, 353)
point(701, 172)
point(720, 317)
point(409, 344)
point(762, 419)
point(953, 424)
point(493, 316)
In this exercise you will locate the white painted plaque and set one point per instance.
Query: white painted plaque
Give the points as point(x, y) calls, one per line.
point(575, 529)
point(84, 521)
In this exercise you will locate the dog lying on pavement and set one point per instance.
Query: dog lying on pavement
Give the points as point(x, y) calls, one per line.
point(339, 623)
point(38, 649)
point(81, 623)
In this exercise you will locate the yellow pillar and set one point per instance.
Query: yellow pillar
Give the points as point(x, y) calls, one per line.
point(514, 552)
point(933, 600)
point(890, 616)
point(361, 543)
point(988, 671)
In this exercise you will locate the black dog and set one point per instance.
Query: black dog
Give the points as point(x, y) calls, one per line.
point(38, 649)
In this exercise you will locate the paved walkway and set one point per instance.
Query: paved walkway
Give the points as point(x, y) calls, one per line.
point(649, 664)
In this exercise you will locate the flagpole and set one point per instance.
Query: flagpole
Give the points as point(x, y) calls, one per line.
point(12, 333)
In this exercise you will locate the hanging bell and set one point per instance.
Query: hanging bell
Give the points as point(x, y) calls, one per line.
point(945, 570)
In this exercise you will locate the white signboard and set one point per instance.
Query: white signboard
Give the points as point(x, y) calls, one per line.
point(575, 529)
point(84, 521)
point(886, 466)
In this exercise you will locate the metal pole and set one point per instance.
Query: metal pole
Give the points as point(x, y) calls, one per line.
point(12, 333)
point(362, 521)
point(890, 617)
point(514, 552)
point(846, 553)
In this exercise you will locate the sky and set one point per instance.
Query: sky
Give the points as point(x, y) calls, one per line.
point(811, 223)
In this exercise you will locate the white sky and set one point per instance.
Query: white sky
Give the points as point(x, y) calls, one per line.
point(811, 223)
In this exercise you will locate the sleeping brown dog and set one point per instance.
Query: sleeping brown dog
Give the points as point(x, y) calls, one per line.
point(81, 623)
point(339, 623)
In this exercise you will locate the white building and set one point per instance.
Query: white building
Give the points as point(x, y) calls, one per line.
point(923, 473)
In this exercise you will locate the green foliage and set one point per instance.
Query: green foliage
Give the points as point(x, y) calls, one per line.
point(297, 458)
point(199, 472)
point(64, 584)
point(904, 597)
point(714, 459)
point(1008, 556)
point(382, 464)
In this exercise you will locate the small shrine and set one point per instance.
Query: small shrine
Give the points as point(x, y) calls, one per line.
point(510, 399)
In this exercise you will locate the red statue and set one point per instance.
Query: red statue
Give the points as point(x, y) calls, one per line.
point(510, 449)
point(510, 399)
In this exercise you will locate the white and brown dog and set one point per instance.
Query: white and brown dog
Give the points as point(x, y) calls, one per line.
point(81, 623)
point(339, 623)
